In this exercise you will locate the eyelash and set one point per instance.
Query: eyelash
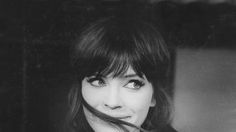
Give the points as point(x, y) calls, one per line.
point(93, 79)
point(136, 82)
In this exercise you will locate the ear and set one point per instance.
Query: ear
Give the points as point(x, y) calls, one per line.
point(153, 102)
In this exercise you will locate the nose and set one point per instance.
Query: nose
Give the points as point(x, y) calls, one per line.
point(112, 100)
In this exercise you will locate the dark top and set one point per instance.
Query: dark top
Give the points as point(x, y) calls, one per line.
point(165, 129)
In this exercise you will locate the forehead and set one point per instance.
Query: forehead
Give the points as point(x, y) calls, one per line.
point(130, 71)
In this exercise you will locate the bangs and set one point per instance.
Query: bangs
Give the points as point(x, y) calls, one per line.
point(114, 63)
point(110, 47)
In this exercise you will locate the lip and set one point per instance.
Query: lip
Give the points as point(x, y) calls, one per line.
point(118, 115)
point(123, 117)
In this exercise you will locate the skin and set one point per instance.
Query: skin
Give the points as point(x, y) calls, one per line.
point(127, 97)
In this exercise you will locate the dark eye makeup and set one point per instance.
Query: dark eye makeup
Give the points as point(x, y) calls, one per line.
point(134, 84)
point(99, 81)
point(96, 81)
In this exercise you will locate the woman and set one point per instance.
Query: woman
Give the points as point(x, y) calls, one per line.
point(121, 67)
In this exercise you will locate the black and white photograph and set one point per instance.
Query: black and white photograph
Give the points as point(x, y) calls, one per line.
point(118, 66)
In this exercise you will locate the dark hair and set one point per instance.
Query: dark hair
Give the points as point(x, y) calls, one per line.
point(111, 45)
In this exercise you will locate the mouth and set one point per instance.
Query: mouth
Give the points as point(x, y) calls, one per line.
point(123, 117)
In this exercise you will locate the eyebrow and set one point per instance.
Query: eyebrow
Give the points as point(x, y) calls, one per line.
point(131, 75)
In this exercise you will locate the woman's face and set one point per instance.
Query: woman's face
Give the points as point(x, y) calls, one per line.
point(126, 97)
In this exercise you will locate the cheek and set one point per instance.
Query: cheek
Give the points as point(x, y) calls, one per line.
point(91, 96)
point(141, 99)
point(140, 103)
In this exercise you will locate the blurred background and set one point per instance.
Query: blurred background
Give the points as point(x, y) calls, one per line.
point(35, 73)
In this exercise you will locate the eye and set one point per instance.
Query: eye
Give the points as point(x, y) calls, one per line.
point(134, 84)
point(96, 81)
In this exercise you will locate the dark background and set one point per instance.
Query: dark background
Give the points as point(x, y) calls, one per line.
point(35, 40)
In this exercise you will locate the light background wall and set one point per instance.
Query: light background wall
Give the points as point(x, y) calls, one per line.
point(205, 94)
